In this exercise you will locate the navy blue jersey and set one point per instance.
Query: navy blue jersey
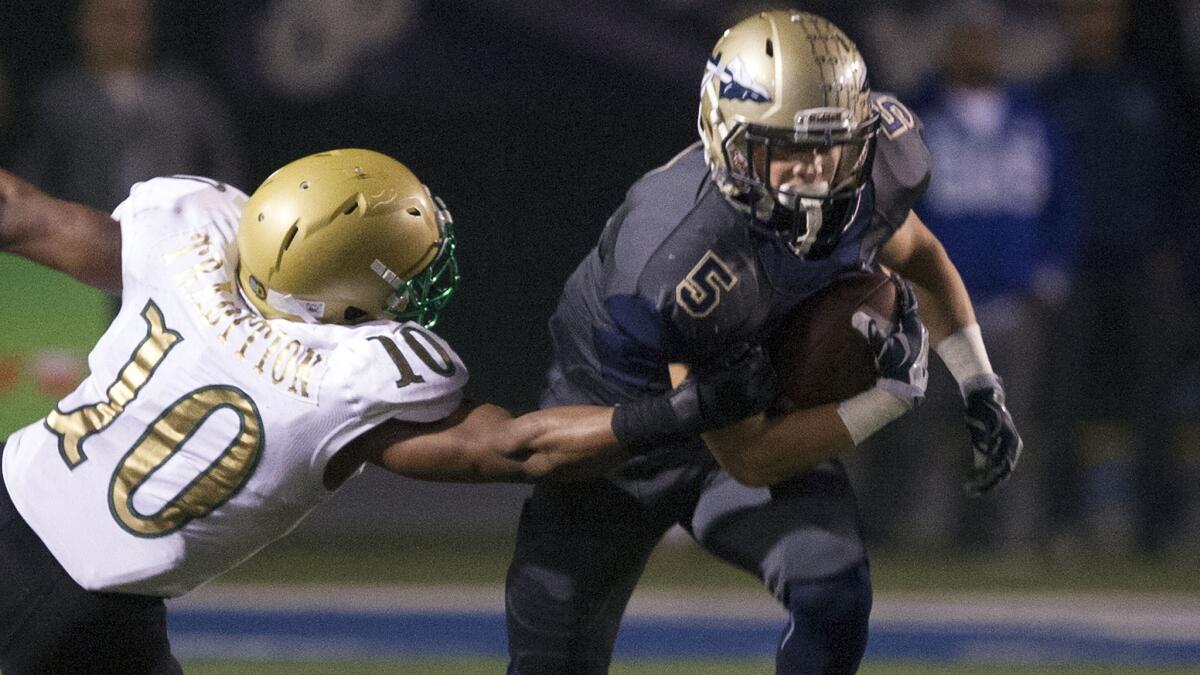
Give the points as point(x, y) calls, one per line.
point(679, 274)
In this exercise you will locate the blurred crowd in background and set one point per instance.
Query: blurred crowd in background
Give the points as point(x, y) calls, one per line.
point(1064, 142)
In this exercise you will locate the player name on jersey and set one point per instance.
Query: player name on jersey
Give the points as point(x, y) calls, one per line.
point(203, 280)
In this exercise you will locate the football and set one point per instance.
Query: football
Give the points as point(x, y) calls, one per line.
point(818, 355)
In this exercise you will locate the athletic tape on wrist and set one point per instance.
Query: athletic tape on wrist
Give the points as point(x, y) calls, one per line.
point(870, 411)
point(964, 354)
point(641, 425)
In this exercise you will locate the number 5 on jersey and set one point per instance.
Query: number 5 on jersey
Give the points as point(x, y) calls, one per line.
point(700, 291)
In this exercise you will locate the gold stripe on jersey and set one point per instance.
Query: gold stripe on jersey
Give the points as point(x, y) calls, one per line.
point(73, 427)
point(220, 481)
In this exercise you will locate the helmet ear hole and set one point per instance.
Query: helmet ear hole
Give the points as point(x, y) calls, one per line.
point(291, 236)
point(354, 314)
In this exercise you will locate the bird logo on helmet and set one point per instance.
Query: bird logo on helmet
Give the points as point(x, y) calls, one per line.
point(788, 127)
point(343, 237)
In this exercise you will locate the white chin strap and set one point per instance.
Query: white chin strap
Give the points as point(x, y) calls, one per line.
point(309, 311)
point(814, 217)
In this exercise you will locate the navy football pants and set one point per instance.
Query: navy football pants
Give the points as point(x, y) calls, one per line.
point(582, 546)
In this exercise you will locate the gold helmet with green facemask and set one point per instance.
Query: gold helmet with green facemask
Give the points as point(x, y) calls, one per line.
point(789, 89)
point(346, 236)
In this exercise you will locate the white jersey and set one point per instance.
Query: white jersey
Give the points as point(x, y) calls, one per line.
point(203, 430)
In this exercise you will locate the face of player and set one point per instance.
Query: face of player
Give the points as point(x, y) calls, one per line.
point(804, 171)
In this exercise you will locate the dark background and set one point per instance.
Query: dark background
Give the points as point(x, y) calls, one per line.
point(529, 118)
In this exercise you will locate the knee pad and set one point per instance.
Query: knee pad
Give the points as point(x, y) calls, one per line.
point(827, 627)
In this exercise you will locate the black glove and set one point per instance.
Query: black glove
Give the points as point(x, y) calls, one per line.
point(997, 445)
point(901, 356)
point(737, 385)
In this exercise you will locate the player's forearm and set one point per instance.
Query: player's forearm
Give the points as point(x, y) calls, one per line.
point(71, 238)
point(944, 305)
point(563, 443)
point(760, 452)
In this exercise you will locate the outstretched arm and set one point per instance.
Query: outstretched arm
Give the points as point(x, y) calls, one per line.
point(485, 443)
point(74, 239)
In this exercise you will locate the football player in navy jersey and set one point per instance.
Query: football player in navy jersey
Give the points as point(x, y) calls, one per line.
point(802, 174)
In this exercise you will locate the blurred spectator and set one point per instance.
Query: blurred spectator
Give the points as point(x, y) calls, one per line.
point(1001, 201)
point(116, 116)
point(1128, 331)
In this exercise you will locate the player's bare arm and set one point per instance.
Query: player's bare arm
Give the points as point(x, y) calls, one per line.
point(917, 255)
point(762, 451)
point(71, 238)
point(482, 442)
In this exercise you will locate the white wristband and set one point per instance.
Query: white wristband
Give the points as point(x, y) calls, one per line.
point(868, 412)
point(964, 354)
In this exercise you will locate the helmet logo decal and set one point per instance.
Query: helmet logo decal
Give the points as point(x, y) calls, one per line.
point(736, 82)
point(256, 287)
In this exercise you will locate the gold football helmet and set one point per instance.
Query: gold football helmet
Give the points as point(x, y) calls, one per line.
point(346, 236)
point(787, 125)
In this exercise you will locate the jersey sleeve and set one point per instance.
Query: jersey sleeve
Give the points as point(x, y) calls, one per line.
point(901, 168)
point(400, 371)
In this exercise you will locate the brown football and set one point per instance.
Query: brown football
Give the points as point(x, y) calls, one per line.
point(818, 355)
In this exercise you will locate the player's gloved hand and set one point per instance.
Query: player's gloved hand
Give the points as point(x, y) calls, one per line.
point(902, 356)
point(994, 438)
point(735, 386)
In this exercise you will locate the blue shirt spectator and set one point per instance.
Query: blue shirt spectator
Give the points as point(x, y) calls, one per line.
point(1002, 197)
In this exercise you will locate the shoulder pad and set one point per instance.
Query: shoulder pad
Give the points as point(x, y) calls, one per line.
point(181, 195)
point(901, 167)
point(403, 371)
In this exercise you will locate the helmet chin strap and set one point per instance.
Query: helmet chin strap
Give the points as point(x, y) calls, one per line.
point(813, 213)
point(309, 311)
point(799, 219)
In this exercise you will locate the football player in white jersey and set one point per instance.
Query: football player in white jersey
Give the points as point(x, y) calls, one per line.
point(266, 347)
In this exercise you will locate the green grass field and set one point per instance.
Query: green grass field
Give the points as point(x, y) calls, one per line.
point(424, 558)
point(42, 310)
